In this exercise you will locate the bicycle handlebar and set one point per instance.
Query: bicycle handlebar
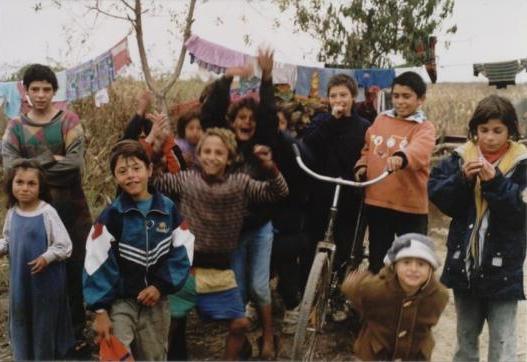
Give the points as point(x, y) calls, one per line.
point(336, 180)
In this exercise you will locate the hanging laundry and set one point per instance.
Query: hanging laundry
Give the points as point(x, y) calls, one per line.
point(369, 77)
point(11, 99)
point(313, 82)
point(90, 77)
point(61, 94)
point(101, 97)
point(120, 55)
point(104, 71)
point(284, 73)
point(500, 74)
point(212, 56)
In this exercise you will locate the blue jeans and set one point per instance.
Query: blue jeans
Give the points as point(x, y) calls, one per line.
point(501, 318)
point(251, 263)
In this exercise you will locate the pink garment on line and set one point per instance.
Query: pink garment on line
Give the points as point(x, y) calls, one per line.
point(214, 54)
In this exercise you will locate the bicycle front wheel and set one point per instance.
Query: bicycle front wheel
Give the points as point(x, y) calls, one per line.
point(312, 315)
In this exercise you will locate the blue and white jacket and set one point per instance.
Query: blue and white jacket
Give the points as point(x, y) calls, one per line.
point(127, 251)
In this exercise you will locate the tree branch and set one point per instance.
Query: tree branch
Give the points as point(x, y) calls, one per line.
point(98, 9)
point(125, 3)
point(138, 25)
point(186, 34)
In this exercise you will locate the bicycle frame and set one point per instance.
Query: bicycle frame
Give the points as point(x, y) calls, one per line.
point(322, 282)
point(329, 243)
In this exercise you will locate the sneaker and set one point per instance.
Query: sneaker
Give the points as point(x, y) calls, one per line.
point(290, 320)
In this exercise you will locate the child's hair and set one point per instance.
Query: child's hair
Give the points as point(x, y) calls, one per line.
point(246, 102)
point(227, 137)
point(496, 107)
point(128, 149)
point(39, 72)
point(345, 80)
point(23, 164)
point(413, 81)
point(184, 120)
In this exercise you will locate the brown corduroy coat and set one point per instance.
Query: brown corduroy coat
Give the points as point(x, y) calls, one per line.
point(395, 326)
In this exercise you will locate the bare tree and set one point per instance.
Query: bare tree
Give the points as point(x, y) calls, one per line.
point(132, 11)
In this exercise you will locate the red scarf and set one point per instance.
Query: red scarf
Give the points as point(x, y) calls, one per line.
point(496, 155)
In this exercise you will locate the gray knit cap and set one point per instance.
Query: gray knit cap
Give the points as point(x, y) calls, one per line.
point(412, 246)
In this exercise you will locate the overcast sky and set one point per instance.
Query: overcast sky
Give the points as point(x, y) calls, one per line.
point(488, 31)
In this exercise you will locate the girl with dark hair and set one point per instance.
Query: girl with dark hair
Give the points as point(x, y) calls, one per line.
point(37, 242)
point(55, 140)
point(482, 187)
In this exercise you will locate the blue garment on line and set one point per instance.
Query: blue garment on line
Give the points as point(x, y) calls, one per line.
point(379, 77)
point(40, 324)
point(12, 101)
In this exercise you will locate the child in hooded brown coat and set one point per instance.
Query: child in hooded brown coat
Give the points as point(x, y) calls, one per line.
point(401, 304)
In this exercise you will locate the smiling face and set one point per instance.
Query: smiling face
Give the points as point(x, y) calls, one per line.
point(340, 96)
point(40, 93)
point(213, 156)
point(412, 273)
point(132, 174)
point(405, 100)
point(244, 124)
point(26, 187)
point(492, 135)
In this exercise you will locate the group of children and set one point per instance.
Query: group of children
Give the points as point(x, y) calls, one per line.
point(200, 218)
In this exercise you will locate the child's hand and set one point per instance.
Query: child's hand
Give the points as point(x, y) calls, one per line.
point(487, 171)
point(360, 174)
point(265, 61)
point(58, 157)
point(102, 326)
point(144, 99)
point(264, 154)
point(149, 296)
point(338, 111)
point(394, 163)
point(160, 129)
point(472, 168)
point(37, 265)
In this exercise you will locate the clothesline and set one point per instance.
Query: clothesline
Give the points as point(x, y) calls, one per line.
point(91, 77)
point(306, 81)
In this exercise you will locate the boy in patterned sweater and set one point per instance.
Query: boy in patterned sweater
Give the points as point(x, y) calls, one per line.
point(214, 203)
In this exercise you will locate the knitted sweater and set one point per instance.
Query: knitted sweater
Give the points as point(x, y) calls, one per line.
point(414, 139)
point(215, 208)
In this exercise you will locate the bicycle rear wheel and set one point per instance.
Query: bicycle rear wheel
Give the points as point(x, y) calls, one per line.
point(313, 307)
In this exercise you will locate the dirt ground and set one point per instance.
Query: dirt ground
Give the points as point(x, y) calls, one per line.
point(206, 340)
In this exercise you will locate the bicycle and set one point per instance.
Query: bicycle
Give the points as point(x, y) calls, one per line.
point(322, 282)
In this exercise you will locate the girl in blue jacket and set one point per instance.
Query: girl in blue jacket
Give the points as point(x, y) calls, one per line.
point(481, 186)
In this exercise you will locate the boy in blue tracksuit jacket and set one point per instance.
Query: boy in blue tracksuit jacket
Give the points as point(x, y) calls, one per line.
point(137, 252)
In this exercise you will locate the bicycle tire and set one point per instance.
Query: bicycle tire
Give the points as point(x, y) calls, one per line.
point(312, 314)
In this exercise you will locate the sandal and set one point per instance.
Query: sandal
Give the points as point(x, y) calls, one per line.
point(276, 343)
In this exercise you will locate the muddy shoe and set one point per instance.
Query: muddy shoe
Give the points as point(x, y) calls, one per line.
point(290, 320)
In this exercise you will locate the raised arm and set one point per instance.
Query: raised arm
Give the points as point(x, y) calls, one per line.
point(266, 116)
point(275, 188)
point(170, 184)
